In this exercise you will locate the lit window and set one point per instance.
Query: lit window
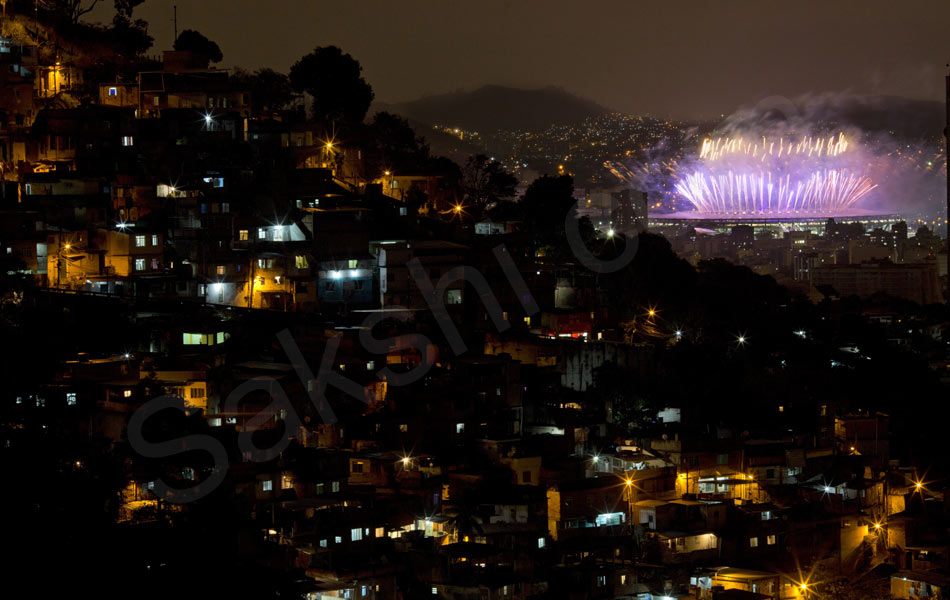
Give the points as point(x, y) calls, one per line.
point(242, 235)
point(403, 428)
point(261, 233)
point(113, 91)
point(128, 140)
point(139, 264)
point(459, 427)
point(601, 580)
point(380, 532)
point(770, 540)
point(267, 485)
point(71, 399)
point(351, 264)
point(337, 539)
point(154, 239)
point(335, 486)
point(753, 542)
point(220, 337)
point(279, 233)
point(221, 270)
point(154, 264)
point(300, 262)
point(435, 590)
point(323, 543)
point(540, 542)
point(140, 241)
point(356, 534)
point(127, 393)
point(623, 580)
point(357, 466)
point(194, 339)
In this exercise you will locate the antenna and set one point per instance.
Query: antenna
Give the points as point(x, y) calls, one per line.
point(175, 19)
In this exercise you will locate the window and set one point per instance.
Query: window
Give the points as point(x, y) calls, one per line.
point(220, 337)
point(242, 235)
point(540, 542)
point(194, 339)
point(221, 269)
point(601, 580)
point(337, 539)
point(766, 515)
point(154, 239)
point(128, 140)
point(753, 542)
point(351, 264)
point(323, 543)
point(770, 540)
point(279, 233)
point(300, 262)
point(125, 394)
point(453, 297)
point(261, 233)
point(526, 477)
point(267, 485)
point(623, 580)
point(722, 459)
point(335, 486)
point(154, 264)
point(71, 399)
point(380, 532)
point(403, 427)
point(140, 241)
point(139, 264)
point(357, 467)
point(460, 428)
point(113, 91)
point(435, 590)
point(356, 534)
point(197, 392)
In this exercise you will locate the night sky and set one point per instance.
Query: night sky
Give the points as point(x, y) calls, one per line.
point(685, 59)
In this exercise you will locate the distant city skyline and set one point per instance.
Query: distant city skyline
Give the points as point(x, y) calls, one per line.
point(680, 59)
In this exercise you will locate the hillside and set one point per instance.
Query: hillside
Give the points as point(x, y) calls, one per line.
point(493, 107)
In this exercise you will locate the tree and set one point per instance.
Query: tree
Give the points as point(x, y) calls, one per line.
point(124, 9)
point(270, 90)
point(394, 146)
point(484, 183)
point(546, 204)
point(333, 80)
point(192, 41)
point(72, 10)
point(131, 36)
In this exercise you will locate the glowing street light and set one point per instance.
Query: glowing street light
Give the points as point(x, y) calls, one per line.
point(610, 233)
point(741, 339)
point(678, 333)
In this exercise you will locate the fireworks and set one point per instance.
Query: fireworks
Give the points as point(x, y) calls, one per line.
point(762, 176)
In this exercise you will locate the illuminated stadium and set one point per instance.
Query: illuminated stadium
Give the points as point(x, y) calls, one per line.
point(783, 183)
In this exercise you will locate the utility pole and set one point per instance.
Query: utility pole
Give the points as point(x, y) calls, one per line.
point(175, 19)
point(946, 133)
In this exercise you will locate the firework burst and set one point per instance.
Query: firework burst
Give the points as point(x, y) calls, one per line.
point(762, 176)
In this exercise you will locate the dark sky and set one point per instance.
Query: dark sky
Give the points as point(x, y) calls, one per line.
point(681, 58)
